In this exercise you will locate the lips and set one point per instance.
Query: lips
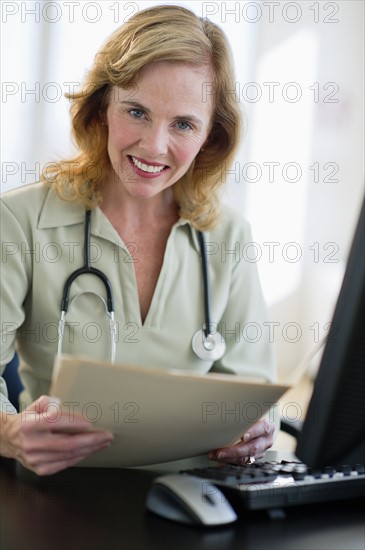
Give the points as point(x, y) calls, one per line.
point(147, 166)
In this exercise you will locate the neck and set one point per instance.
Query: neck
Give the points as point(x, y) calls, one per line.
point(137, 212)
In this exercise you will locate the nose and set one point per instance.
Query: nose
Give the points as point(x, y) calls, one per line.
point(155, 140)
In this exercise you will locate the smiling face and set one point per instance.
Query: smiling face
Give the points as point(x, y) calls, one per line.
point(157, 127)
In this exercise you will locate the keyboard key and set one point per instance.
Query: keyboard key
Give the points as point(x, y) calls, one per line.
point(345, 469)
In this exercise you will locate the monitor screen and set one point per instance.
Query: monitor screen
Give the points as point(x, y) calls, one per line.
point(334, 429)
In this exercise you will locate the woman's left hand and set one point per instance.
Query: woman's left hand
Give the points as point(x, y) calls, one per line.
point(253, 444)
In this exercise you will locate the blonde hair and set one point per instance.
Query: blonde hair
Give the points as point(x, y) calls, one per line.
point(161, 33)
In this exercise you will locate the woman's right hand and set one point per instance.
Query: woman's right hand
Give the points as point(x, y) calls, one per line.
point(46, 440)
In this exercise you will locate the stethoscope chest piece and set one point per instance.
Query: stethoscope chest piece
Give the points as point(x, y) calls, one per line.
point(209, 348)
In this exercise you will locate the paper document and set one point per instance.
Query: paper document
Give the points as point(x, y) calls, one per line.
point(158, 415)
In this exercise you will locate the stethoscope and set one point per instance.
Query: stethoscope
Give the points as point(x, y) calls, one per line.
point(207, 344)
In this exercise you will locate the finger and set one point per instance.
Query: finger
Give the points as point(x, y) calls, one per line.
point(49, 409)
point(47, 457)
point(64, 426)
point(261, 428)
point(45, 462)
point(64, 443)
point(52, 420)
point(43, 403)
point(257, 430)
point(255, 448)
point(60, 422)
point(43, 468)
point(31, 425)
point(239, 459)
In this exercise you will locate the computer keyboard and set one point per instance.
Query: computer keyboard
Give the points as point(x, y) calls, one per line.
point(286, 483)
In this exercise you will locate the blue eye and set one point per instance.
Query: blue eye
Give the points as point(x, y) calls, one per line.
point(136, 113)
point(182, 125)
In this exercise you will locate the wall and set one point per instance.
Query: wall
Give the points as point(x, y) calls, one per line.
point(316, 51)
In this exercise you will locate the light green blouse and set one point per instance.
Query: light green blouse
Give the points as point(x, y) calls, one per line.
point(42, 243)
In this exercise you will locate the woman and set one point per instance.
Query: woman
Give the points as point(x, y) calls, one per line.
point(156, 130)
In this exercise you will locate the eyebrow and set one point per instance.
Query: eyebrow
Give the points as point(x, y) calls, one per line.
point(138, 105)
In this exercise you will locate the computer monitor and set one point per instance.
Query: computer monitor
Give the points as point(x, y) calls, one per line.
point(334, 429)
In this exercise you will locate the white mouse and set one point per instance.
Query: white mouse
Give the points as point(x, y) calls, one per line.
point(189, 499)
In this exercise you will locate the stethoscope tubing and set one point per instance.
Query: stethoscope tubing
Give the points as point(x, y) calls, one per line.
point(87, 269)
point(206, 344)
point(206, 279)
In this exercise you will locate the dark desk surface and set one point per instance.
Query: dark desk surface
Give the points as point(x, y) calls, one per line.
point(94, 509)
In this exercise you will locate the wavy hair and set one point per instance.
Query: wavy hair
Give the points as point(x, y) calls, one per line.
point(161, 33)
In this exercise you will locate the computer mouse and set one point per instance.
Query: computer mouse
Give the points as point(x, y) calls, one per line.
point(189, 499)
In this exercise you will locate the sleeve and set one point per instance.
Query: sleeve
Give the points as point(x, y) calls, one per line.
point(14, 284)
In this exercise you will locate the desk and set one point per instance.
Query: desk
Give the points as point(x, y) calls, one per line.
point(97, 509)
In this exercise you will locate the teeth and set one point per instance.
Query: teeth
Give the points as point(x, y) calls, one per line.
point(146, 167)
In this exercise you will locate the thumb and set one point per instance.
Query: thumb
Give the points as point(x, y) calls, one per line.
point(45, 404)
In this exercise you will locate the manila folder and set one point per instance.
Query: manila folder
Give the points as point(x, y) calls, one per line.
point(158, 415)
